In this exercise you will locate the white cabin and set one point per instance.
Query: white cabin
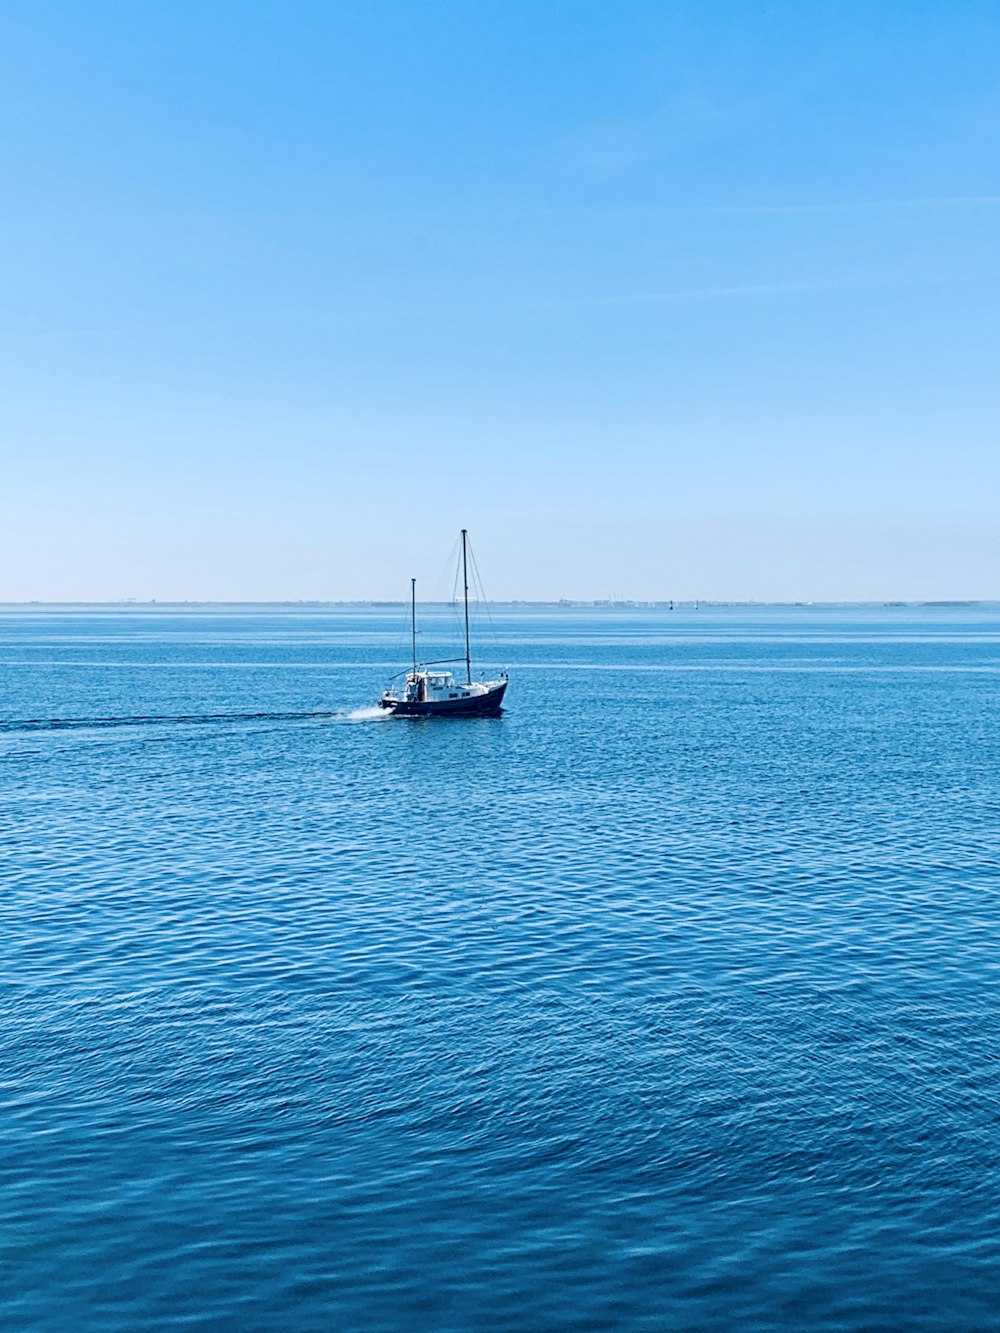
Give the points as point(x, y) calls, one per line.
point(438, 687)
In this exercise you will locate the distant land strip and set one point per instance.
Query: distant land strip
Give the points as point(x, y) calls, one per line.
point(562, 604)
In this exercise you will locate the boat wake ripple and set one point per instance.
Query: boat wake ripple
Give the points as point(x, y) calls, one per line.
point(372, 714)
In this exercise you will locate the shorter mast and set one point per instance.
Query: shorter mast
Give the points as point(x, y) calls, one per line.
point(465, 580)
point(413, 621)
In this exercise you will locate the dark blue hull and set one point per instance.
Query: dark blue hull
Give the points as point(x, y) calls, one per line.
point(480, 705)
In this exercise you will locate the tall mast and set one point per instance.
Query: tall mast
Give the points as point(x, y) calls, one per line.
point(413, 621)
point(465, 580)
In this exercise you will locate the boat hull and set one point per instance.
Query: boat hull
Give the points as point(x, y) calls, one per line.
point(478, 705)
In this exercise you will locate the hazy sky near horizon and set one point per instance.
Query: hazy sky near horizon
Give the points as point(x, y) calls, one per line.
point(692, 299)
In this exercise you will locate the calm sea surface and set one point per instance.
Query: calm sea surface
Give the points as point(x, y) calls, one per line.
point(667, 1000)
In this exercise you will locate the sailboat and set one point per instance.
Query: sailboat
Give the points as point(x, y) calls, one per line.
point(429, 692)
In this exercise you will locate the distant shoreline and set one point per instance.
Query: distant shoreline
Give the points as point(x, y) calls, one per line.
point(132, 604)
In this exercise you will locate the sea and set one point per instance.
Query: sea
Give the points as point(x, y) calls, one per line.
point(668, 999)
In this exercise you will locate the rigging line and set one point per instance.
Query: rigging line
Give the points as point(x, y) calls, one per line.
point(482, 595)
point(440, 587)
point(436, 661)
point(437, 630)
point(457, 566)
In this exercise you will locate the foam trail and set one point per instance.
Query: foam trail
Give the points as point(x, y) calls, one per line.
point(187, 719)
point(373, 713)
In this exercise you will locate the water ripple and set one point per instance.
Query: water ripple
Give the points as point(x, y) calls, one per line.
point(665, 1000)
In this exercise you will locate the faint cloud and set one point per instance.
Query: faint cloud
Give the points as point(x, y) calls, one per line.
point(683, 121)
point(802, 287)
point(829, 206)
point(723, 292)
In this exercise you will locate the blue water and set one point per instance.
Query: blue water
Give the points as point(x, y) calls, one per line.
point(667, 1000)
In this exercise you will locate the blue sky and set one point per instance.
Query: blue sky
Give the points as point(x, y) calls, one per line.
point(690, 299)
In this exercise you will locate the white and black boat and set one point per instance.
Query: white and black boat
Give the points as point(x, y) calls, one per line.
point(430, 692)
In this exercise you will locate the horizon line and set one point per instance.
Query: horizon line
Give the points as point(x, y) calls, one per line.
point(563, 603)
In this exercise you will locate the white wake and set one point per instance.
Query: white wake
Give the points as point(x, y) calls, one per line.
point(370, 714)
